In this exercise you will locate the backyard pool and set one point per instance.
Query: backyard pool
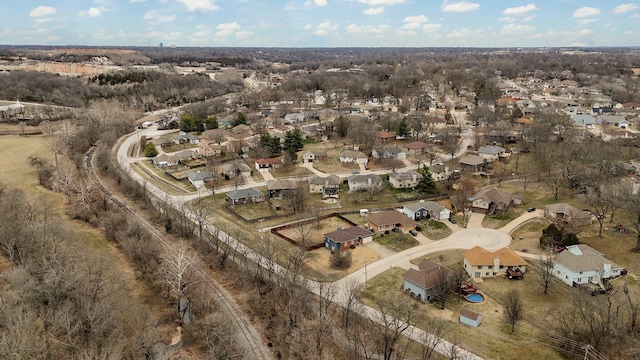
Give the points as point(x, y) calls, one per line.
point(475, 298)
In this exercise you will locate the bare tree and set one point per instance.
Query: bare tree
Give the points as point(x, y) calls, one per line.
point(178, 274)
point(546, 264)
point(513, 308)
point(395, 313)
point(201, 211)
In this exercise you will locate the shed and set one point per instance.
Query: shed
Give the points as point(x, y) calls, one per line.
point(470, 318)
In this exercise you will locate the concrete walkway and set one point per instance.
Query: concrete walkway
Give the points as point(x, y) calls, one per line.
point(507, 229)
point(267, 176)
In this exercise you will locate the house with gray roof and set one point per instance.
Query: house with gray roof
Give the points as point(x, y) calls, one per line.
point(328, 186)
point(425, 284)
point(426, 209)
point(244, 196)
point(584, 120)
point(406, 179)
point(276, 188)
point(473, 163)
point(165, 160)
point(344, 239)
point(565, 214)
point(491, 152)
point(186, 139)
point(364, 181)
point(353, 156)
point(581, 264)
point(200, 178)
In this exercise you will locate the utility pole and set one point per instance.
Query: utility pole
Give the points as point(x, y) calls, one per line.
point(365, 274)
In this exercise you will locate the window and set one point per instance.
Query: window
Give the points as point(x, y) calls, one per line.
point(501, 266)
point(566, 277)
point(477, 274)
point(580, 272)
point(490, 267)
point(479, 266)
point(494, 274)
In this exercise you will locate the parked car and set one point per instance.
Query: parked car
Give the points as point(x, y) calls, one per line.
point(413, 232)
point(452, 220)
point(531, 209)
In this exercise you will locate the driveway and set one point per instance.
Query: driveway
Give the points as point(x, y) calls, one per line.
point(267, 176)
point(475, 221)
point(507, 229)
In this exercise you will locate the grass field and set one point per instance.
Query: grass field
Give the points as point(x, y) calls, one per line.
point(396, 241)
point(16, 170)
point(434, 230)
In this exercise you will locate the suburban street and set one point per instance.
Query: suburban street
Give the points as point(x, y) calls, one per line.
point(459, 239)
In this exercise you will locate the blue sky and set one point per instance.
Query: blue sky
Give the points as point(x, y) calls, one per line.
point(322, 23)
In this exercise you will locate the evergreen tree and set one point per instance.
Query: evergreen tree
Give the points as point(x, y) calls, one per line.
point(342, 126)
point(403, 129)
point(239, 119)
point(271, 144)
point(150, 150)
point(293, 140)
point(426, 185)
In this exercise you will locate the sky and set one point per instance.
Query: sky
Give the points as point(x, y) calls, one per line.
point(321, 23)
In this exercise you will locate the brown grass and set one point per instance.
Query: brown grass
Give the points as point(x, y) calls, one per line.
point(313, 234)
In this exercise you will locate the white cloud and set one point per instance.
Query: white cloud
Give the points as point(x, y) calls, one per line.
point(519, 10)
point(200, 5)
point(584, 32)
point(414, 22)
point(315, 3)
point(381, 2)
point(137, 1)
point(308, 27)
point(227, 29)
point(635, 17)
point(461, 6)
point(369, 29)
point(42, 11)
point(515, 28)
point(321, 32)
point(374, 11)
point(586, 11)
point(244, 34)
point(628, 33)
point(328, 26)
point(92, 12)
point(464, 33)
point(623, 8)
point(431, 27)
point(157, 17)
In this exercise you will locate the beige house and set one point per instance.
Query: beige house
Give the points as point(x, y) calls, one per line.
point(209, 148)
point(328, 186)
point(390, 220)
point(565, 214)
point(490, 201)
point(480, 262)
point(407, 179)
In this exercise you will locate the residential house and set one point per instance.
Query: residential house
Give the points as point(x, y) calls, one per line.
point(244, 196)
point(612, 120)
point(364, 181)
point(186, 139)
point(343, 239)
point(390, 220)
point(473, 163)
point(327, 186)
point(235, 168)
point(276, 188)
point(581, 264)
point(427, 283)
point(565, 214)
point(490, 201)
point(416, 148)
point(314, 156)
point(442, 172)
point(186, 155)
point(492, 152)
point(165, 160)
point(294, 118)
point(406, 179)
point(584, 121)
point(426, 209)
point(353, 156)
point(241, 129)
point(470, 318)
point(615, 134)
point(209, 148)
point(384, 137)
point(200, 178)
point(161, 142)
point(268, 165)
point(388, 152)
point(240, 146)
point(479, 262)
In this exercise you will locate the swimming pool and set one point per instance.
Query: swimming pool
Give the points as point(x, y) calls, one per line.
point(474, 298)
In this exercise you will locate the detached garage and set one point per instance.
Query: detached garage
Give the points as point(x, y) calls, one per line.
point(470, 318)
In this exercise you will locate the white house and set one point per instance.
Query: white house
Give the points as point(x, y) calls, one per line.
point(352, 156)
point(198, 179)
point(364, 181)
point(426, 209)
point(581, 264)
point(406, 179)
point(491, 152)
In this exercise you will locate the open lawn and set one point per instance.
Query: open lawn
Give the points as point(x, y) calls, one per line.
point(253, 211)
point(434, 230)
point(396, 241)
point(493, 339)
point(160, 179)
point(501, 219)
point(313, 233)
point(527, 237)
point(16, 170)
point(293, 170)
point(319, 262)
point(334, 166)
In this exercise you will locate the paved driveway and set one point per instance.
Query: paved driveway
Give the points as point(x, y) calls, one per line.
point(475, 221)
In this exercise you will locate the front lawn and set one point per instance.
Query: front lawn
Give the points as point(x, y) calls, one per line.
point(433, 229)
point(501, 219)
point(396, 241)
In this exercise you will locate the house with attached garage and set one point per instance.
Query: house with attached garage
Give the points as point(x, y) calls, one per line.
point(491, 201)
point(426, 283)
point(268, 165)
point(473, 163)
point(314, 156)
point(582, 264)
point(390, 220)
point(388, 152)
point(492, 152)
point(184, 138)
point(425, 210)
point(344, 239)
point(353, 156)
point(244, 196)
point(277, 188)
point(479, 262)
point(164, 160)
point(565, 214)
point(416, 148)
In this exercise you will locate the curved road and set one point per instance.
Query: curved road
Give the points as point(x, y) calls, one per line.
point(460, 239)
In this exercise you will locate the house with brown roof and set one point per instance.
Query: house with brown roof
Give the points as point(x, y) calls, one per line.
point(209, 148)
point(314, 156)
point(384, 137)
point(278, 188)
point(490, 201)
point(406, 179)
point(328, 186)
point(353, 156)
point(165, 160)
point(565, 214)
point(344, 239)
point(426, 283)
point(390, 220)
point(416, 148)
point(473, 163)
point(480, 262)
